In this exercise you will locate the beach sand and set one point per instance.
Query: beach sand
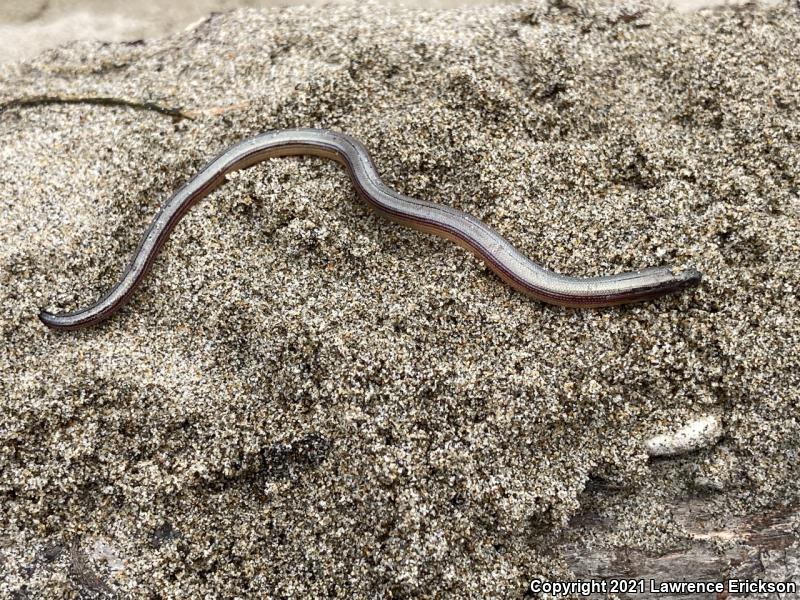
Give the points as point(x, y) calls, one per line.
point(28, 27)
point(305, 399)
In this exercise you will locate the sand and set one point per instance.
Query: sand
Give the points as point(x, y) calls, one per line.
point(27, 27)
point(306, 399)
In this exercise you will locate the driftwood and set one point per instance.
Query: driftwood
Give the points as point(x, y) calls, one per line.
point(760, 546)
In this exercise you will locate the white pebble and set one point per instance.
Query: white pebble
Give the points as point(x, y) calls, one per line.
point(700, 433)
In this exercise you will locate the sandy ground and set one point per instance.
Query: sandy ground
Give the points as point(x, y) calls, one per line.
point(29, 26)
point(305, 399)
